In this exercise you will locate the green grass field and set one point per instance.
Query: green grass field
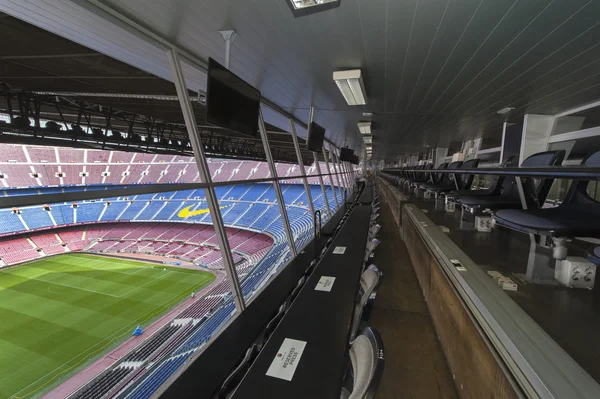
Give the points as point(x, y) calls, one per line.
point(59, 313)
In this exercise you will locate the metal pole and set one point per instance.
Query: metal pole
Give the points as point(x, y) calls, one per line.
point(340, 168)
point(334, 161)
point(301, 163)
point(351, 177)
point(204, 174)
point(322, 185)
point(228, 36)
point(282, 209)
point(346, 176)
point(344, 172)
point(337, 204)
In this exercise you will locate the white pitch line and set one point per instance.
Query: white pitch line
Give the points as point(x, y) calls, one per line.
point(140, 286)
point(93, 347)
point(75, 288)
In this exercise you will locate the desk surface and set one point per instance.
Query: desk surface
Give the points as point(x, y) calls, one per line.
point(321, 319)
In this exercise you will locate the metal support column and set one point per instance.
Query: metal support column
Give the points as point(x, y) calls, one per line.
point(321, 183)
point(334, 161)
point(228, 36)
point(344, 174)
point(204, 174)
point(337, 204)
point(301, 164)
point(348, 174)
point(340, 169)
point(282, 209)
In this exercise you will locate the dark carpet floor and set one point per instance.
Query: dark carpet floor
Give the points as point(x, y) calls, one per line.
point(415, 366)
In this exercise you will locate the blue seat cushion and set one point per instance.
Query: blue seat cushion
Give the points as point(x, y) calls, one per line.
point(563, 221)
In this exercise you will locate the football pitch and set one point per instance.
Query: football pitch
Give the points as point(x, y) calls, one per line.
point(58, 314)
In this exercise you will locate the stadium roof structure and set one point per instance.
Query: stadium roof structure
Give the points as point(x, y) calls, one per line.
point(51, 78)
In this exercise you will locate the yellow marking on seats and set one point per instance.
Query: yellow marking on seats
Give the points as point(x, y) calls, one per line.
point(186, 212)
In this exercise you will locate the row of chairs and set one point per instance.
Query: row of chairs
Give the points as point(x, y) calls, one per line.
point(237, 373)
point(576, 216)
point(417, 179)
point(366, 351)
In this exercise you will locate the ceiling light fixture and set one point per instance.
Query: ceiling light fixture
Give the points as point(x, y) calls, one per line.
point(364, 127)
point(368, 139)
point(300, 4)
point(505, 110)
point(351, 85)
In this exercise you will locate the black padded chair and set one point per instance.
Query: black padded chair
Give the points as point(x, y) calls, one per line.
point(436, 178)
point(421, 177)
point(509, 194)
point(494, 189)
point(297, 288)
point(411, 176)
point(447, 182)
point(367, 361)
point(576, 216)
point(236, 375)
point(270, 327)
point(370, 281)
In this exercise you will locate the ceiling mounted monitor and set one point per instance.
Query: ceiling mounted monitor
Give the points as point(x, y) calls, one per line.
point(351, 86)
point(346, 154)
point(305, 7)
point(231, 103)
point(316, 135)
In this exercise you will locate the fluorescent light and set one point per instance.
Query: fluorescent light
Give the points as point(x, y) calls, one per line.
point(364, 127)
point(351, 86)
point(368, 139)
point(299, 4)
point(505, 110)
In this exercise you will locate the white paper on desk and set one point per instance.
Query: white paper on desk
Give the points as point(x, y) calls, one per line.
point(286, 360)
point(339, 250)
point(325, 283)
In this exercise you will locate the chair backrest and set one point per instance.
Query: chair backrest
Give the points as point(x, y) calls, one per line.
point(369, 281)
point(448, 179)
point(367, 362)
point(437, 177)
point(425, 176)
point(535, 196)
point(298, 287)
point(275, 320)
point(415, 173)
point(465, 181)
point(235, 377)
point(577, 193)
point(498, 181)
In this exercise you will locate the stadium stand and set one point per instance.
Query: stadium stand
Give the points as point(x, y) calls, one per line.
point(87, 166)
point(171, 224)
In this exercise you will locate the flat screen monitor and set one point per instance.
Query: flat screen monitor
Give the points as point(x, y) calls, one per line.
point(316, 135)
point(346, 154)
point(231, 103)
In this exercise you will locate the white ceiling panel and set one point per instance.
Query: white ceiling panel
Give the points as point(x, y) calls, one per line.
point(435, 70)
